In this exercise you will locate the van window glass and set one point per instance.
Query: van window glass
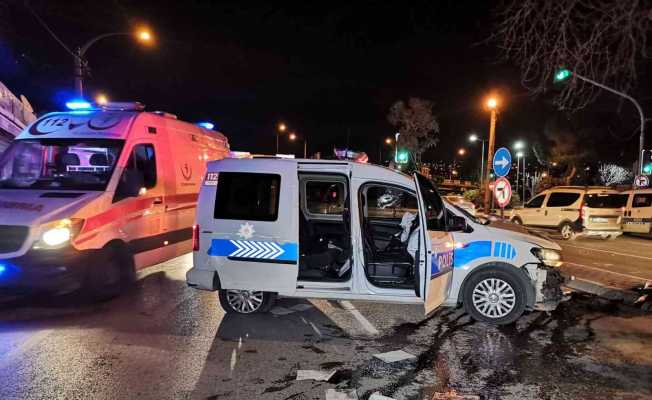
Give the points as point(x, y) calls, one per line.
point(247, 196)
point(435, 211)
point(642, 200)
point(535, 202)
point(143, 160)
point(605, 200)
point(325, 197)
point(388, 202)
point(561, 199)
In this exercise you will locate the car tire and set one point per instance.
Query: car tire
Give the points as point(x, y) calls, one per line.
point(567, 231)
point(107, 278)
point(246, 301)
point(517, 221)
point(494, 296)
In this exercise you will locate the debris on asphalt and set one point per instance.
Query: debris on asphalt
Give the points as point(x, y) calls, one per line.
point(394, 356)
point(337, 394)
point(378, 396)
point(301, 307)
point(310, 374)
point(452, 395)
point(281, 311)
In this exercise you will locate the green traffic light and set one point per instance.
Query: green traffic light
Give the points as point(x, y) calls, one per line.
point(647, 169)
point(562, 74)
point(402, 157)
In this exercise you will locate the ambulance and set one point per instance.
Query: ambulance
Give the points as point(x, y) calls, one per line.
point(347, 230)
point(90, 196)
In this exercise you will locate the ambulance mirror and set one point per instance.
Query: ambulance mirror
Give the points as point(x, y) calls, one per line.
point(131, 184)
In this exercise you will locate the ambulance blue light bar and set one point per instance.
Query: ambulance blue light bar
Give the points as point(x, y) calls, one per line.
point(206, 125)
point(79, 105)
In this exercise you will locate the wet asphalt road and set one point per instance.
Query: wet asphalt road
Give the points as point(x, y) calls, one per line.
point(162, 340)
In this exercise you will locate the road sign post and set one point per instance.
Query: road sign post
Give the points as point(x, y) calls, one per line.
point(502, 194)
point(502, 162)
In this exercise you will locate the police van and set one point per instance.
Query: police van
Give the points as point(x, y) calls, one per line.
point(346, 230)
point(88, 197)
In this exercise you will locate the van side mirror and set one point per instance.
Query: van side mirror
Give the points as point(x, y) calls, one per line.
point(131, 183)
point(456, 223)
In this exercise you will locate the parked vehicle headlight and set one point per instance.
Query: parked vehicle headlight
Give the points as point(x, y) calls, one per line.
point(549, 257)
point(58, 233)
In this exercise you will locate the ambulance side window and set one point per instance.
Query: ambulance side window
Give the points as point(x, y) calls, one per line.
point(140, 172)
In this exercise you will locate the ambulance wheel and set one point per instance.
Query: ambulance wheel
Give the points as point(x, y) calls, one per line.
point(246, 301)
point(113, 271)
point(494, 296)
point(517, 221)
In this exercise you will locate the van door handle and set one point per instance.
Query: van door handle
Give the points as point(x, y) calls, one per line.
point(158, 200)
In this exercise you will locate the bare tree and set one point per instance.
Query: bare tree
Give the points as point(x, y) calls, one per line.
point(417, 125)
point(599, 39)
point(611, 174)
point(566, 146)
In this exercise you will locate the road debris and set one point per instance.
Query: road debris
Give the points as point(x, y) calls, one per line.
point(301, 307)
point(281, 311)
point(378, 396)
point(311, 374)
point(336, 394)
point(394, 356)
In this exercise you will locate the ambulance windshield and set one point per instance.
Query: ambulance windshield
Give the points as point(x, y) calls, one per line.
point(59, 164)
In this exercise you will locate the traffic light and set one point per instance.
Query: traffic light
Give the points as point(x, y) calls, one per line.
point(646, 168)
point(562, 74)
point(402, 157)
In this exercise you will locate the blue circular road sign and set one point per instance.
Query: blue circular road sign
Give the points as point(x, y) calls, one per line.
point(502, 162)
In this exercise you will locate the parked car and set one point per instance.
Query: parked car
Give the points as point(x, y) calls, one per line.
point(638, 212)
point(262, 232)
point(575, 210)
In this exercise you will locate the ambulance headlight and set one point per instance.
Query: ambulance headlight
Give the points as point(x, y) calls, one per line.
point(549, 257)
point(58, 233)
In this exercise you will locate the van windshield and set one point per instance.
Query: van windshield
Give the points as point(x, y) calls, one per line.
point(605, 200)
point(60, 164)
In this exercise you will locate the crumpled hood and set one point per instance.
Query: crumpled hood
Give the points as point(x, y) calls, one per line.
point(520, 233)
point(30, 208)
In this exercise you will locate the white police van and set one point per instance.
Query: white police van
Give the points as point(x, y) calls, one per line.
point(345, 230)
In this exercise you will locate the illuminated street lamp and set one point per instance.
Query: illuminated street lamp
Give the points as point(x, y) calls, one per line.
point(101, 99)
point(492, 104)
point(388, 140)
point(142, 35)
point(461, 151)
point(474, 138)
point(293, 136)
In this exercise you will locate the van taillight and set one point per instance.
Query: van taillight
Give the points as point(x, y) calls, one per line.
point(582, 211)
point(195, 237)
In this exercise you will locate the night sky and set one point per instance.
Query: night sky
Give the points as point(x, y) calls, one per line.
point(329, 71)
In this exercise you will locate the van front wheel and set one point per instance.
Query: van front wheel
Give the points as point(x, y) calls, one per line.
point(494, 296)
point(245, 301)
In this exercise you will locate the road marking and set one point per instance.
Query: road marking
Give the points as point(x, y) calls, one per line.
point(609, 251)
point(368, 326)
point(609, 272)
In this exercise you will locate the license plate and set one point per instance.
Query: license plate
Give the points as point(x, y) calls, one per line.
point(600, 219)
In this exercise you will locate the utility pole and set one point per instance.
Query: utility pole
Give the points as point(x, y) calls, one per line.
point(492, 103)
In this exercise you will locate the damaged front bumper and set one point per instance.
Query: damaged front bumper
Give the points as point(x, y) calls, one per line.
point(547, 286)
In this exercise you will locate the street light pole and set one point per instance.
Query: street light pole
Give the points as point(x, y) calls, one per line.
point(482, 164)
point(81, 64)
point(492, 104)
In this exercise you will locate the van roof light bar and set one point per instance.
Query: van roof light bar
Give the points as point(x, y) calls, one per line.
point(123, 106)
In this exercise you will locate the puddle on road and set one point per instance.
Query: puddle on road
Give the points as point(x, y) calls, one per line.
point(541, 353)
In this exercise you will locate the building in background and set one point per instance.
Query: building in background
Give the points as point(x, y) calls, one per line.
point(15, 114)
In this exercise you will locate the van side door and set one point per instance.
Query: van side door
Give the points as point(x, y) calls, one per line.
point(436, 256)
point(561, 206)
point(641, 213)
point(252, 223)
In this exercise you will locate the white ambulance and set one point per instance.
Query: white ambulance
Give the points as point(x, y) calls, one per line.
point(345, 230)
point(88, 197)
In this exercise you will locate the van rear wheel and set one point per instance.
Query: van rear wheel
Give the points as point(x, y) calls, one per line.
point(245, 301)
point(567, 232)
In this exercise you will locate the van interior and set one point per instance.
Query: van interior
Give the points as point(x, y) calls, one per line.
point(390, 235)
point(324, 228)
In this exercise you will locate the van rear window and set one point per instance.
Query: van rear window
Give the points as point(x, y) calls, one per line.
point(605, 200)
point(247, 196)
